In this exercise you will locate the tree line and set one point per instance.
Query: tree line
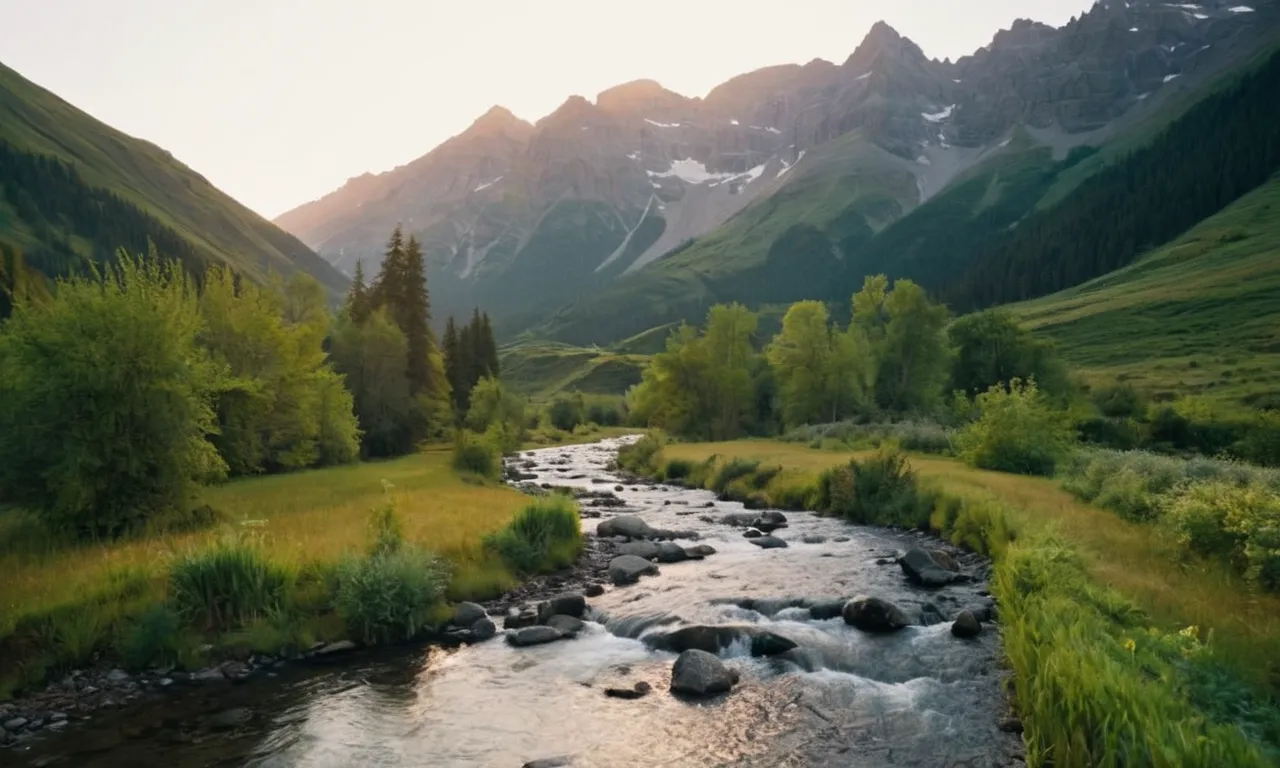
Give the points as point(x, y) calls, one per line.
point(127, 387)
point(899, 354)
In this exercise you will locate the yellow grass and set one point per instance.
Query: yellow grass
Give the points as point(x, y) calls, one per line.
point(307, 517)
point(1139, 561)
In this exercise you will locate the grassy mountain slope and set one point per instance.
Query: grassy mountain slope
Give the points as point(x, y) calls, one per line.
point(1200, 315)
point(543, 369)
point(217, 227)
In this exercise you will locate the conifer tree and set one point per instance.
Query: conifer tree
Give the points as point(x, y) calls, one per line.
point(490, 346)
point(452, 362)
point(357, 306)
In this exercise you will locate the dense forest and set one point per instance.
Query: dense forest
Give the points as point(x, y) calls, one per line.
point(1225, 146)
point(62, 210)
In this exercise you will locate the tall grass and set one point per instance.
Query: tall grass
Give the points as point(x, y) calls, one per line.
point(881, 490)
point(228, 584)
point(914, 436)
point(544, 536)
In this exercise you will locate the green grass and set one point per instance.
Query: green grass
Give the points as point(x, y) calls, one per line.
point(35, 120)
point(541, 370)
point(1200, 315)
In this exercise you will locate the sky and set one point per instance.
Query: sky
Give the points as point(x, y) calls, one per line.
point(278, 102)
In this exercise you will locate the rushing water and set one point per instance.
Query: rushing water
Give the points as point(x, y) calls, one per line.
point(842, 698)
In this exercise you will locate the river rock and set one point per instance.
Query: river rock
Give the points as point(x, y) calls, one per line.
point(625, 525)
point(671, 553)
point(813, 538)
point(639, 691)
point(922, 570)
point(229, 719)
point(550, 762)
point(520, 619)
point(208, 675)
point(698, 673)
point(117, 676)
point(699, 551)
point(966, 625)
point(16, 724)
point(646, 549)
point(945, 560)
point(871, 614)
point(566, 625)
point(737, 519)
point(563, 605)
point(536, 635)
point(713, 639)
point(627, 569)
point(752, 533)
point(483, 629)
point(826, 609)
point(593, 590)
point(465, 614)
point(769, 521)
point(931, 614)
point(768, 542)
point(343, 645)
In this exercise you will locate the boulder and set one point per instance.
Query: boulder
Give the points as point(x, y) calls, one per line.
point(841, 539)
point(752, 533)
point(483, 629)
point(922, 570)
point(550, 762)
point(826, 609)
point(646, 549)
point(466, 614)
point(699, 551)
point(769, 522)
point(871, 614)
point(16, 724)
point(566, 625)
point(813, 538)
point(966, 625)
point(625, 525)
point(639, 691)
point(737, 519)
point(563, 605)
point(520, 619)
point(714, 639)
point(768, 542)
point(671, 553)
point(931, 614)
point(537, 635)
point(627, 569)
point(698, 673)
point(945, 560)
point(593, 590)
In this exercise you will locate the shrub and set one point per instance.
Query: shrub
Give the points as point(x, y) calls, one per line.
point(880, 490)
point(544, 536)
point(916, 436)
point(677, 469)
point(1017, 432)
point(1261, 441)
point(152, 637)
point(228, 584)
point(607, 412)
point(389, 597)
point(1236, 523)
point(735, 469)
point(476, 455)
point(1120, 401)
point(640, 457)
point(566, 412)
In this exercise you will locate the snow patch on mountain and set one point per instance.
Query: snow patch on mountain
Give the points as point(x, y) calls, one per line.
point(690, 171)
point(661, 125)
point(788, 166)
point(1167, 78)
point(1240, 9)
point(487, 184)
point(868, 74)
point(937, 117)
point(627, 240)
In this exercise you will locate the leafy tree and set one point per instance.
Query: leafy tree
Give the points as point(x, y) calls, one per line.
point(823, 373)
point(728, 337)
point(371, 356)
point(497, 413)
point(992, 348)
point(905, 328)
point(105, 400)
point(567, 412)
point(676, 391)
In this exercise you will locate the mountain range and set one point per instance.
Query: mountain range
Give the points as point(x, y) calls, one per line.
point(644, 206)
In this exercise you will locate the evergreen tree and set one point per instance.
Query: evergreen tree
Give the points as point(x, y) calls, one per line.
point(452, 351)
point(466, 370)
point(357, 306)
point(490, 346)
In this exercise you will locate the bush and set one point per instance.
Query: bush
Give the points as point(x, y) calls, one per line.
point(544, 536)
point(880, 490)
point(915, 436)
point(1017, 432)
point(152, 638)
point(677, 469)
point(389, 595)
point(566, 413)
point(1236, 523)
point(227, 584)
point(736, 468)
point(640, 457)
point(476, 455)
point(610, 412)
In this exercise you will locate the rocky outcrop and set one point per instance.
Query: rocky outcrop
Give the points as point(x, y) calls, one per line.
point(639, 691)
point(871, 614)
point(698, 673)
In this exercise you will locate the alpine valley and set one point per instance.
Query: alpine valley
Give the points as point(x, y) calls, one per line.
point(644, 207)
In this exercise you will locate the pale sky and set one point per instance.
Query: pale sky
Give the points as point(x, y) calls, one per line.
point(280, 101)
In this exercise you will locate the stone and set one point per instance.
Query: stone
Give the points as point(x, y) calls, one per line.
point(566, 625)
point(1011, 725)
point(841, 539)
point(627, 569)
point(16, 724)
point(229, 719)
point(483, 629)
point(769, 522)
point(736, 519)
point(593, 590)
point(57, 717)
point(117, 676)
point(340, 646)
point(826, 609)
point(536, 635)
point(562, 605)
point(671, 553)
point(625, 525)
point(813, 538)
point(871, 614)
point(207, 675)
point(699, 551)
point(923, 571)
point(752, 533)
point(931, 614)
point(698, 673)
point(715, 638)
point(550, 762)
point(945, 560)
point(639, 691)
point(466, 614)
point(235, 670)
point(646, 549)
point(617, 488)
point(966, 625)
point(768, 542)
point(520, 619)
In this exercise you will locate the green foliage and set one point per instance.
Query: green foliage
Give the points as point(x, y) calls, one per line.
point(735, 469)
point(370, 356)
point(641, 457)
point(822, 373)
point(389, 594)
point(1018, 431)
point(227, 584)
point(906, 333)
point(477, 455)
point(154, 637)
point(105, 400)
point(544, 536)
point(1237, 523)
point(567, 412)
point(880, 490)
point(470, 355)
point(498, 414)
point(915, 436)
point(677, 469)
point(991, 349)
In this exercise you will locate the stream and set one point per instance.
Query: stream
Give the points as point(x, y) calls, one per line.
point(842, 697)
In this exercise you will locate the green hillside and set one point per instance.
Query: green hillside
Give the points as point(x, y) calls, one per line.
point(106, 168)
point(1200, 315)
point(540, 370)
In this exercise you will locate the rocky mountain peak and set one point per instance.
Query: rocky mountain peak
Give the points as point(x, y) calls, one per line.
point(640, 97)
point(499, 121)
point(883, 41)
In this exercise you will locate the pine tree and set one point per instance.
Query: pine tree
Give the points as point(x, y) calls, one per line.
point(465, 368)
point(414, 317)
point(490, 346)
point(357, 306)
point(452, 361)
